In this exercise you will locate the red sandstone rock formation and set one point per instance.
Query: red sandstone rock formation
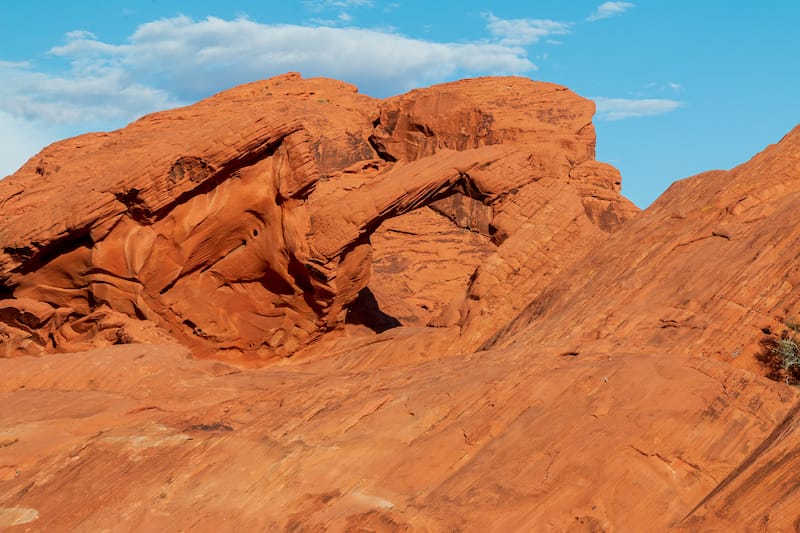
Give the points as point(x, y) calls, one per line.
point(588, 370)
point(241, 226)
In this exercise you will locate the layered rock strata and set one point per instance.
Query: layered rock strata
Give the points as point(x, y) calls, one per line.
point(240, 226)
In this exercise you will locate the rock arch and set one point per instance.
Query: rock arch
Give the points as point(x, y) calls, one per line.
point(240, 226)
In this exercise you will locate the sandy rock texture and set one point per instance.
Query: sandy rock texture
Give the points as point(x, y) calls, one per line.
point(484, 335)
point(139, 437)
point(702, 271)
point(240, 226)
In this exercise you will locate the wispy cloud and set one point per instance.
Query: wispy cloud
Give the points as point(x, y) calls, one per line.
point(89, 92)
point(622, 108)
point(349, 3)
point(15, 64)
point(319, 5)
point(670, 86)
point(609, 9)
point(342, 19)
point(520, 32)
point(326, 6)
point(19, 139)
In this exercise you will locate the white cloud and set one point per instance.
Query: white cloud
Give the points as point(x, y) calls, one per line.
point(609, 9)
point(86, 94)
point(520, 32)
point(84, 43)
point(190, 59)
point(14, 64)
point(621, 108)
point(19, 140)
point(342, 19)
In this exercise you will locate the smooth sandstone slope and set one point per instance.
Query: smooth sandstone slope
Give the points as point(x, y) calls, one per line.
point(702, 271)
point(240, 226)
point(707, 270)
point(139, 437)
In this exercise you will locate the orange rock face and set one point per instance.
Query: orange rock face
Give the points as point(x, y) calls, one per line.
point(484, 335)
point(241, 226)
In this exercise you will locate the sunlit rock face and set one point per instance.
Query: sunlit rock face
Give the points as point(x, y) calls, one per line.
point(241, 226)
point(484, 335)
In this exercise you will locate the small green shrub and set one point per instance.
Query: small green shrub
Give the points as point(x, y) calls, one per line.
point(780, 354)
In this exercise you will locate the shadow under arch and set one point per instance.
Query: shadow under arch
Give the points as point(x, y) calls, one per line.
point(366, 311)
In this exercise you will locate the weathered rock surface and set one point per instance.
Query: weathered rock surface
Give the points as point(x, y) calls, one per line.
point(240, 226)
point(702, 271)
point(138, 437)
point(588, 370)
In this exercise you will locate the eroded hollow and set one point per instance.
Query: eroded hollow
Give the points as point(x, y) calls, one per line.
point(424, 259)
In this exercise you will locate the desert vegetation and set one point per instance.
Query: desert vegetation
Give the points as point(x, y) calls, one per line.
point(780, 354)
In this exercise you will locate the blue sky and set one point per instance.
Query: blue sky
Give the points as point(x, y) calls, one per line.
point(681, 86)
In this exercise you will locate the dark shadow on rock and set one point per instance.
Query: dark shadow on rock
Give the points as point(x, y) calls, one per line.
point(365, 311)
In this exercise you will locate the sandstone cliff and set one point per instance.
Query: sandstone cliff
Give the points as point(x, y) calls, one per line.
point(484, 335)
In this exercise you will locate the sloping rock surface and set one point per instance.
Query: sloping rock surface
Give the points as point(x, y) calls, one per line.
point(703, 271)
point(589, 370)
point(138, 437)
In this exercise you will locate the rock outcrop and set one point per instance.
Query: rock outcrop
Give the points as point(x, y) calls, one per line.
point(483, 335)
point(702, 271)
point(240, 226)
